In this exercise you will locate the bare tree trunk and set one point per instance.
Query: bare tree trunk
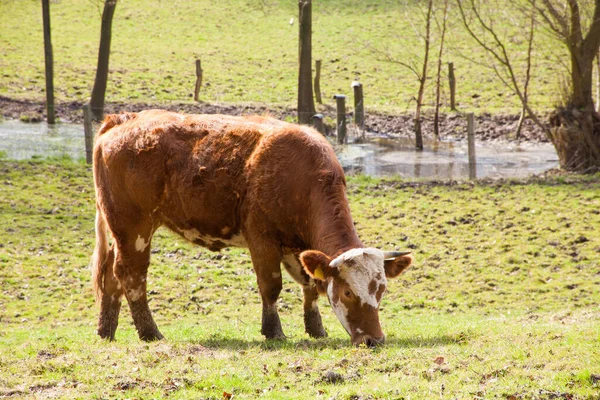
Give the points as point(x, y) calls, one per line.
point(99, 90)
point(423, 80)
point(527, 70)
point(436, 117)
point(48, 55)
point(598, 82)
point(306, 103)
point(575, 135)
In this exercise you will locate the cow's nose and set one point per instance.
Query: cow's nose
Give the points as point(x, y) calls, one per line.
point(374, 342)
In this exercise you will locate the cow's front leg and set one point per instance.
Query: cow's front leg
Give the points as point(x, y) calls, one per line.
point(312, 317)
point(268, 275)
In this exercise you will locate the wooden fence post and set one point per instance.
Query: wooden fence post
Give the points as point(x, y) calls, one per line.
point(359, 108)
point(49, 63)
point(87, 129)
point(471, 146)
point(318, 123)
point(198, 80)
point(341, 118)
point(317, 83)
point(452, 81)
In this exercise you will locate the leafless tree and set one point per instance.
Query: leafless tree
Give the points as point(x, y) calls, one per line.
point(306, 102)
point(436, 117)
point(417, 65)
point(100, 82)
point(481, 29)
point(530, 37)
point(575, 130)
point(573, 126)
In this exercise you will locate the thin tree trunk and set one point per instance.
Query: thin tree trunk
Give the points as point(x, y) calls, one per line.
point(436, 118)
point(49, 59)
point(527, 70)
point(99, 90)
point(423, 80)
point(598, 82)
point(306, 103)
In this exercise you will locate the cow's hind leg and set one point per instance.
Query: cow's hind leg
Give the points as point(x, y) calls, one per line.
point(131, 268)
point(110, 302)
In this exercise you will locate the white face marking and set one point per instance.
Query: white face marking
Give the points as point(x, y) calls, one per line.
point(141, 244)
point(339, 308)
point(276, 275)
point(135, 294)
point(367, 266)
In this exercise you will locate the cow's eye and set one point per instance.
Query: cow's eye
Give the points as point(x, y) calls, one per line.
point(348, 293)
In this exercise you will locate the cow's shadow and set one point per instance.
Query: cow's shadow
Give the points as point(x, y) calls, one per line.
point(218, 342)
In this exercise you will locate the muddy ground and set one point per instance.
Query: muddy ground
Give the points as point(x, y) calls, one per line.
point(452, 125)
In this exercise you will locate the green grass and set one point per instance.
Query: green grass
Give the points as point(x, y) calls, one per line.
point(249, 53)
point(505, 294)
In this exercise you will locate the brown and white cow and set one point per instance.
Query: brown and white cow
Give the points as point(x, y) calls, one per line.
point(256, 182)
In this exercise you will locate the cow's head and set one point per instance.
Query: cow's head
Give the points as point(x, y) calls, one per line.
point(355, 282)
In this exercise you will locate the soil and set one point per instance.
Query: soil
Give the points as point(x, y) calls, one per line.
point(452, 125)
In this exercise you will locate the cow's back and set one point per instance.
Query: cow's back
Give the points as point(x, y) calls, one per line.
point(201, 175)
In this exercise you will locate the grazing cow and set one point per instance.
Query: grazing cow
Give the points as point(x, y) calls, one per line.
point(256, 182)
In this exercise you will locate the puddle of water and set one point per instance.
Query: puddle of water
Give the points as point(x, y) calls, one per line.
point(22, 141)
point(379, 157)
point(447, 159)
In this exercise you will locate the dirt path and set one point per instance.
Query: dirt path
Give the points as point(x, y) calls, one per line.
point(488, 127)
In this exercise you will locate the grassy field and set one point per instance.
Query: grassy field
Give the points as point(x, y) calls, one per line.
point(249, 52)
point(502, 302)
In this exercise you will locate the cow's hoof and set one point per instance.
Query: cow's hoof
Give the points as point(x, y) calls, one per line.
point(316, 334)
point(313, 325)
point(151, 336)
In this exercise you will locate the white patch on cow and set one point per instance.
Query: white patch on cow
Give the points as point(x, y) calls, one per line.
point(358, 267)
point(294, 268)
point(339, 308)
point(191, 234)
point(359, 331)
point(276, 275)
point(118, 285)
point(141, 244)
point(235, 241)
point(314, 305)
point(135, 294)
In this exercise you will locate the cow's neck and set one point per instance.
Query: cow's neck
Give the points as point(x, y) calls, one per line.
point(333, 231)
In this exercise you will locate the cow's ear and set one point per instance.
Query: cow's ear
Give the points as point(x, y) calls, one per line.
point(316, 264)
point(395, 266)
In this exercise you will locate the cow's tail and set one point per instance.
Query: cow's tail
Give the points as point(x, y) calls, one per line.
point(100, 258)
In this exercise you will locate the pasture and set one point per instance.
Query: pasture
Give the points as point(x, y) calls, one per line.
point(503, 300)
point(249, 53)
